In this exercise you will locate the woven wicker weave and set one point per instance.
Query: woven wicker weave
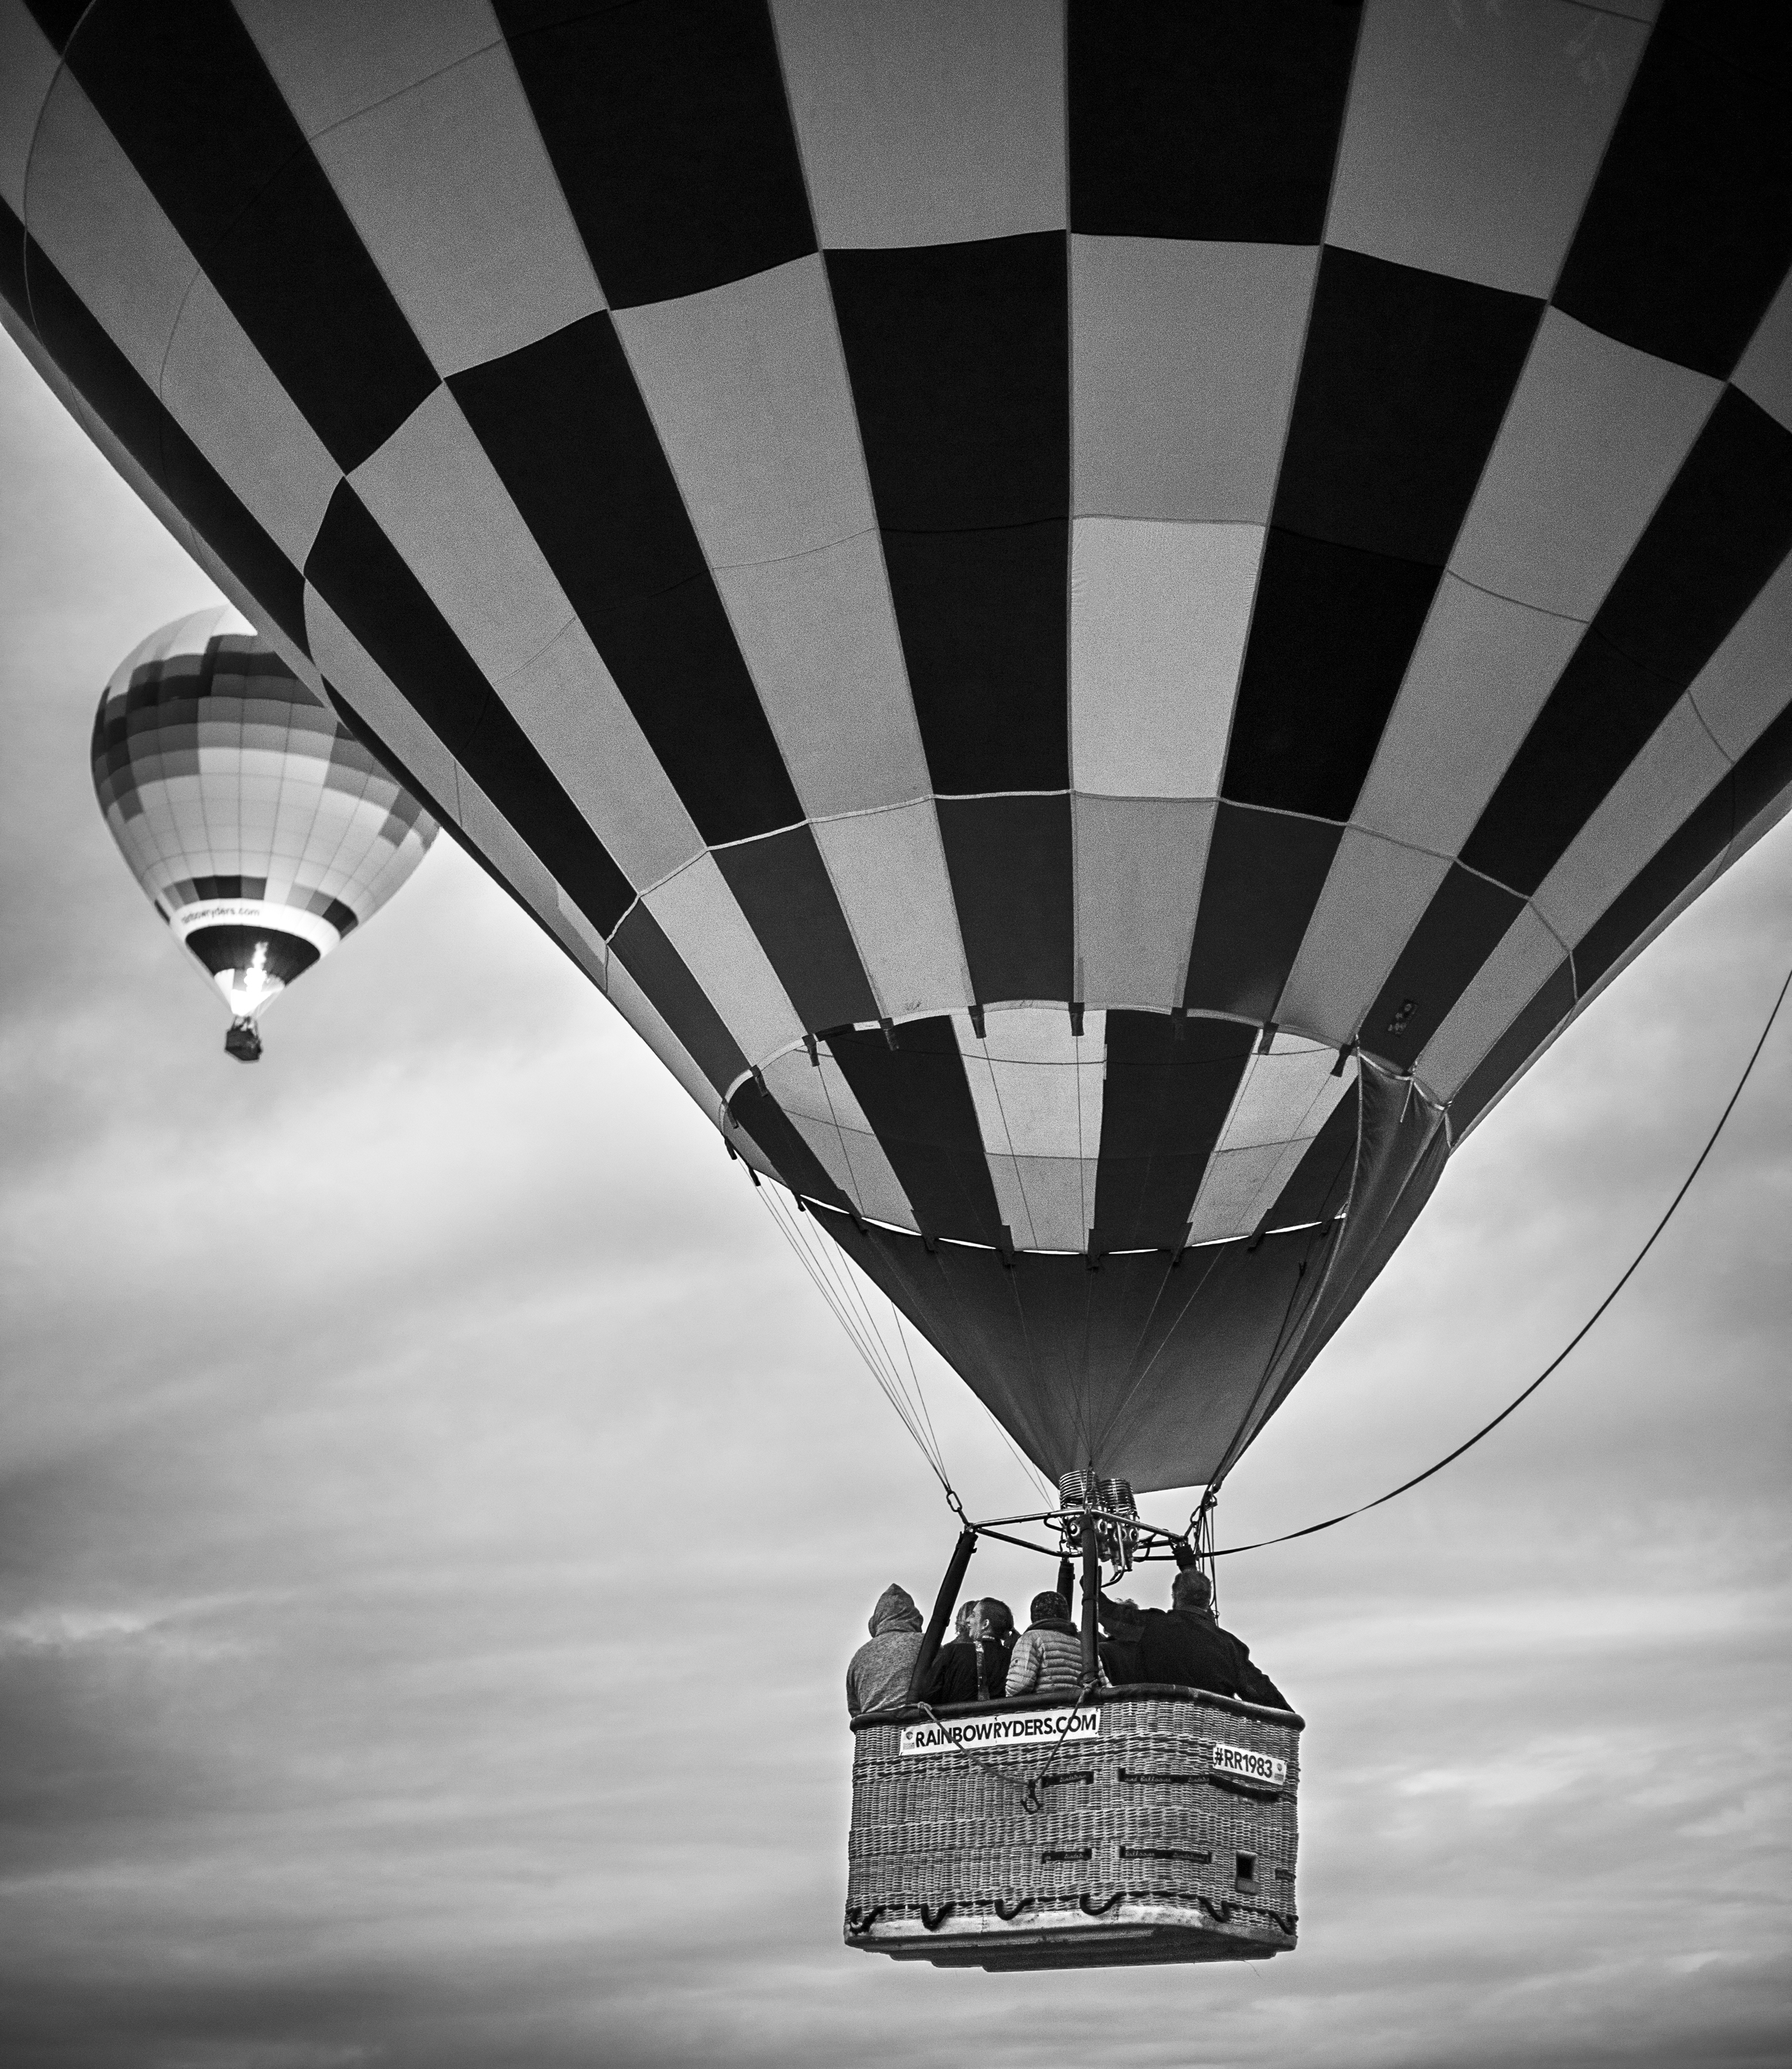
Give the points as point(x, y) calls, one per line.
point(1138, 1850)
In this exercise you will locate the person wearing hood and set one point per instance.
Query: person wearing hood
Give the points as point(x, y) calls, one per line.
point(877, 1677)
point(1047, 1658)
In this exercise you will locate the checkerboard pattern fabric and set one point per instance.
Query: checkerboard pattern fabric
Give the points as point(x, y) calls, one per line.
point(1013, 580)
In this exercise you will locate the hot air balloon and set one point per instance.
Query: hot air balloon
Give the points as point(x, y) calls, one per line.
point(260, 829)
point(1098, 622)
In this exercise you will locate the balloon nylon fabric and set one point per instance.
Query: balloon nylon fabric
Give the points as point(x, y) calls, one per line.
point(1008, 637)
point(1579, 1336)
point(1159, 1366)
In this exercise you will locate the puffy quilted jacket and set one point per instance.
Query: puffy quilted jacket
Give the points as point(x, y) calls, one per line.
point(1047, 1660)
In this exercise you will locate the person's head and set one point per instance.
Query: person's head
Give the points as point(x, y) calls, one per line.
point(965, 1623)
point(1121, 1619)
point(895, 1611)
point(997, 1619)
point(1191, 1589)
point(1049, 1603)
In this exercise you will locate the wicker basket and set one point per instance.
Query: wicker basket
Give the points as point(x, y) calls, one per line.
point(1160, 1828)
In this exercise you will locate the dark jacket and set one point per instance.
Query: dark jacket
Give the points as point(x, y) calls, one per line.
point(1190, 1647)
point(1119, 1646)
point(1254, 1686)
point(953, 1678)
point(1119, 1657)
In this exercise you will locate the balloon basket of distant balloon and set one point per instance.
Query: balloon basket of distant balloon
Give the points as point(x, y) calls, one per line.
point(243, 1040)
point(1142, 1825)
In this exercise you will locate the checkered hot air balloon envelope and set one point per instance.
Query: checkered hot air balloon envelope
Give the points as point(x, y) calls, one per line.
point(261, 830)
point(1013, 582)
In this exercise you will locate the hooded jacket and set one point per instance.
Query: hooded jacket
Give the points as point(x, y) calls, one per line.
point(877, 1678)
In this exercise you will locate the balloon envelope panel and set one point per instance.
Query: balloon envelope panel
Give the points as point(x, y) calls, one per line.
point(1014, 582)
point(261, 829)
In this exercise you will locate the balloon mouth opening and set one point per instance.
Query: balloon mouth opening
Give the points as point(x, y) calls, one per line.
point(251, 965)
point(250, 986)
point(243, 1040)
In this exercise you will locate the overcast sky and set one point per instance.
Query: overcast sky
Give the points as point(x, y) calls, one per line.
point(435, 1513)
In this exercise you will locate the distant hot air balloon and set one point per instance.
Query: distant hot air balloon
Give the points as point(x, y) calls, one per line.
point(1098, 621)
point(259, 828)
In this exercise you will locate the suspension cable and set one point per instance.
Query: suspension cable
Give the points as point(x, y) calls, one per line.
point(850, 1310)
point(1512, 1407)
point(914, 1380)
point(1029, 1470)
point(832, 1275)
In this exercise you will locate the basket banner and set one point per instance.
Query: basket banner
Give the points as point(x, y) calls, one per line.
point(1250, 1766)
point(1016, 1728)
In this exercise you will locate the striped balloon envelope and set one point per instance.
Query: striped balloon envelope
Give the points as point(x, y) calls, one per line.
point(1098, 621)
point(260, 829)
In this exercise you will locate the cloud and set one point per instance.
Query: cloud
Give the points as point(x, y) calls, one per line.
point(437, 1511)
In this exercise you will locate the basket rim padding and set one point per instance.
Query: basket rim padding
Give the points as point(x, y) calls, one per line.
point(1130, 1691)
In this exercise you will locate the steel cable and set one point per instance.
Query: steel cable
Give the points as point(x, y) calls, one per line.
point(1487, 1429)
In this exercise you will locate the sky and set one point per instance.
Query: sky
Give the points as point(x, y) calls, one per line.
point(436, 1511)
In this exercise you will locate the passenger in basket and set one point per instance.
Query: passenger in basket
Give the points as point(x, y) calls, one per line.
point(1254, 1685)
point(877, 1677)
point(954, 1671)
point(971, 1669)
point(1185, 1644)
point(1119, 1648)
point(998, 1624)
point(1048, 1655)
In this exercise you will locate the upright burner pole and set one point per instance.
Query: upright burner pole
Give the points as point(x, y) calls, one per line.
point(943, 1604)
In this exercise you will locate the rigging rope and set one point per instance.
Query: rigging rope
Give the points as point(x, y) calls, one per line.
point(834, 1278)
point(914, 1379)
point(1487, 1429)
point(1028, 1471)
point(849, 1309)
